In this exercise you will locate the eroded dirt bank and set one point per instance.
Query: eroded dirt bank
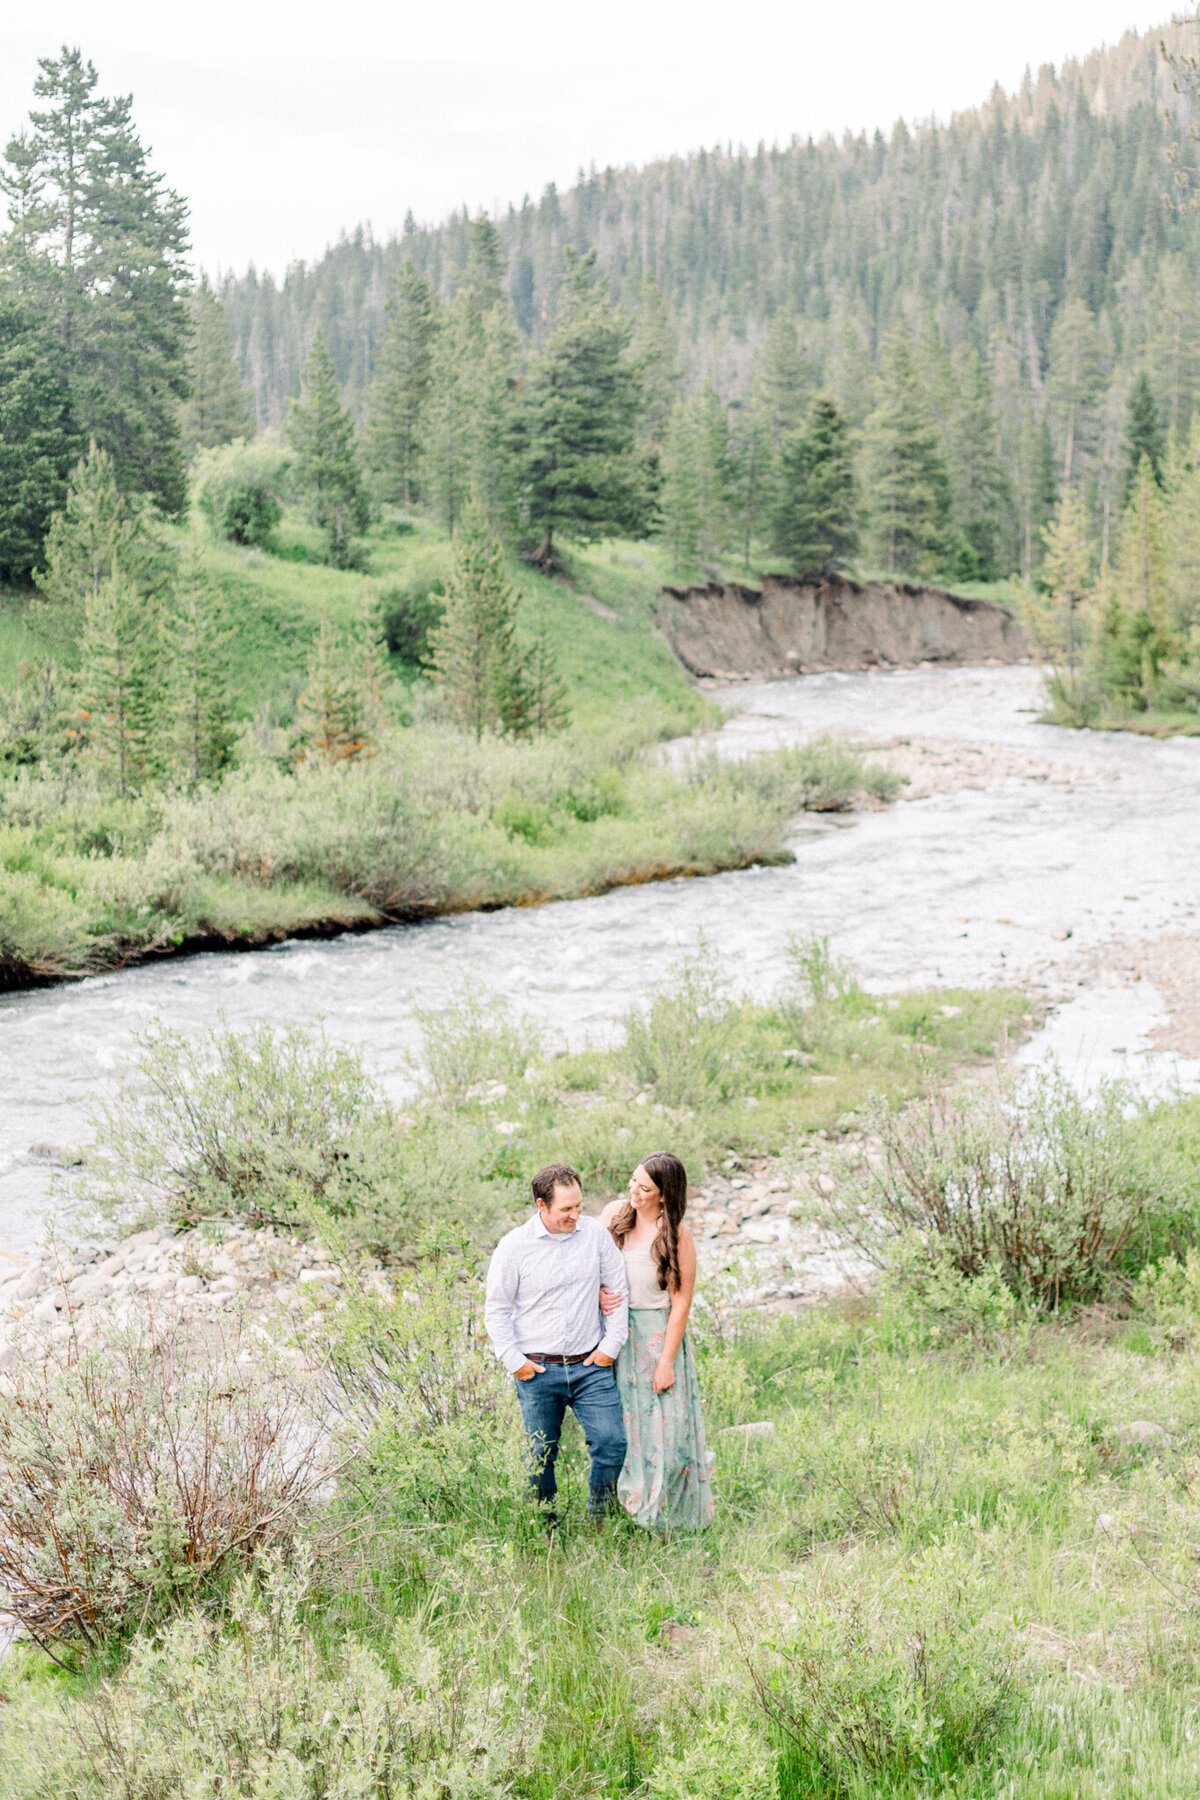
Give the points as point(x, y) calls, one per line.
point(791, 626)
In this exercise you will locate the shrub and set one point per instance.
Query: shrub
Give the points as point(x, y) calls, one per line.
point(133, 1469)
point(409, 613)
point(1041, 1185)
point(261, 1709)
point(238, 489)
point(427, 1410)
point(471, 1040)
point(224, 1123)
point(727, 1760)
point(681, 1041)
point(862, 1695)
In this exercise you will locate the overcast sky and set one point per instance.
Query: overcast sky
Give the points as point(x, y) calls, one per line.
point(286, 124)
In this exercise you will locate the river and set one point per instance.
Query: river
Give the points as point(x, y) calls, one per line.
point(1021, 853)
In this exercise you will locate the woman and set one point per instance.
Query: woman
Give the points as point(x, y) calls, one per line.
point(666, 1478)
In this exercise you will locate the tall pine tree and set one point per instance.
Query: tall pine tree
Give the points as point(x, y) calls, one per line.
point(199, 645)
point(399, 392)
point(120, 685)
point(1143, 433)
point(217, 409)
point(327, 467)
point(815, 524)
point(583, 477)
point(39, 440)
point(908, 490)
point(474, 652)
point(100, 244)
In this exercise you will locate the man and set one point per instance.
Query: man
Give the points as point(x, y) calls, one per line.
point(543, 1317)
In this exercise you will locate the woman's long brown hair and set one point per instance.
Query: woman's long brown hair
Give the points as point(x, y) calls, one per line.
point(670, 1178)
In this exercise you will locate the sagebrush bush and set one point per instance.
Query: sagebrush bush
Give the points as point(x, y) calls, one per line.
point(864, 1693)
point(249, 1124)
point(471, 1040)
point(257, 1706)
point(432, 1427)
point(680, 1041)
point(134, 1468)
point(1042, 1185)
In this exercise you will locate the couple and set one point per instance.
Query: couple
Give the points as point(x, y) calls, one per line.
point(569, 1297)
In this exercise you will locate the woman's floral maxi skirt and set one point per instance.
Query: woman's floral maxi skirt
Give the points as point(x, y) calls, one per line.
point(666, 1481)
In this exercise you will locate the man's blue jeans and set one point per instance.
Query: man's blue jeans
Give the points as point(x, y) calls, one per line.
point(591, 1392)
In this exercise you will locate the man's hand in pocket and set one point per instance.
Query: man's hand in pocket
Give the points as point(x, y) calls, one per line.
point(528, 1370)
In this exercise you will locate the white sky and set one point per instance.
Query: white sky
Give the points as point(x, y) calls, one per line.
point(284, 124)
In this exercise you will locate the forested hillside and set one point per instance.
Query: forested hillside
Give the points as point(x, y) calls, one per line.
point(1037, 231)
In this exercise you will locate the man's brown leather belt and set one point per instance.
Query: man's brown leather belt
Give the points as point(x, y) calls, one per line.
point(556, 1356)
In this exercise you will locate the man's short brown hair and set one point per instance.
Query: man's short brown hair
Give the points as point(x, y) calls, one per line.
point(552, 1176)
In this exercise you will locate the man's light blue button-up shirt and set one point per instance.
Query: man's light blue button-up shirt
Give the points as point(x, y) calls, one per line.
point(543, 1292)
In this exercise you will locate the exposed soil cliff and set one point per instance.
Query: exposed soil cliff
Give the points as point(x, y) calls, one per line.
point(796, 624)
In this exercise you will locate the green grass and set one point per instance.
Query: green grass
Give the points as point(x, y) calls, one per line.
point(895, 1493)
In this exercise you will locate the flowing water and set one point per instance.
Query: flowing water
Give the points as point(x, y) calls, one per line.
point(1035, 850)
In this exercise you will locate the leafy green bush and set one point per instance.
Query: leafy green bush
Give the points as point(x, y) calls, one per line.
point(1038, 1183)
point(409, 612)
point(238, 489)
point(862, 1695)
point(472, 1040)
point(680, 1042)
point(726, 1760)
point(262, 1708)
point(251, 1125)
point(133, 1469)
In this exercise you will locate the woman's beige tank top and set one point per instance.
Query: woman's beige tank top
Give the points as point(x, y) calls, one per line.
point(645, 1295)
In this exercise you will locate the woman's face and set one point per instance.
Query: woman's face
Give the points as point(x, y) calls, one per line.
point(643, 1195)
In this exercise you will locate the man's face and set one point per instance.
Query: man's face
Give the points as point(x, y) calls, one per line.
point(566, 1204)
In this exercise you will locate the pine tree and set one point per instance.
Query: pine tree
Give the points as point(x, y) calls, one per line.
point(398, 395)
point(546, 709)
point(1039, 488)
point(583, 477)
point(680, 507)
point(654, 351)
point(1175, 341)
point(751, 491)
point(99, 531)
point(1143, 434)
point(980, 498)
point(327, 467)
point(1074, 383)
point(339, 715)
point(784, 379)
point(495, 422)
point(101, 245)
point(218, 408)
point(908, 490)
point(446, 442)
point(1137, 637)
point(474, 652)
point(199, 641)
point(119, 710)
point(1066, 568)
point(815, 526)
point(38, 438)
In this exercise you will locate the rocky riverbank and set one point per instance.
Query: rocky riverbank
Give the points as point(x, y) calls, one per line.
point(189, 1275)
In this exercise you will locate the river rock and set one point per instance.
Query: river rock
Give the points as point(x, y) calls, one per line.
point(92, 1286)
point(1144, 1434)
